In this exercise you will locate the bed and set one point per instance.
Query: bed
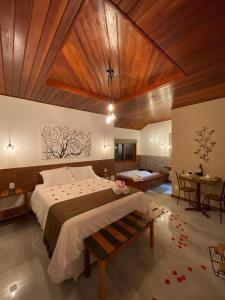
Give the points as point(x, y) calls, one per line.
point(67, 259)
point(142, 180)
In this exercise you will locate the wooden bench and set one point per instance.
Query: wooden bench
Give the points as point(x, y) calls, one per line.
point(105, 243)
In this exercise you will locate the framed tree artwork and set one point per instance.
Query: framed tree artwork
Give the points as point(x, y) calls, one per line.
point(59, 141)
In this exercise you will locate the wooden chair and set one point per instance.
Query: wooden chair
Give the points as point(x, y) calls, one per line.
point(183, 188)
point(218, 198)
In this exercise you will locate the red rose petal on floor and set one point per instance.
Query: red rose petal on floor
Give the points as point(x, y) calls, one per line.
point(180, 239)
point(185, 245)
point(154, 298)
point(167, 281)
point(173, 239)
point(183, 277)
point(203, 267)
point(189, 269)
point(179, 246)
point(174, 273)
point(179, 279)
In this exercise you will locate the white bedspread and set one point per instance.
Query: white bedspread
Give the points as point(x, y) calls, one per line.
point(67, 260)
point(136, 173)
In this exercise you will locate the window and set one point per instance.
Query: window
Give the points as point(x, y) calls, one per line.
point(125, 150)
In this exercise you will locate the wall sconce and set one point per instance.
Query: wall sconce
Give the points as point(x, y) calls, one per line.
point(106, 146)
point(10, 146)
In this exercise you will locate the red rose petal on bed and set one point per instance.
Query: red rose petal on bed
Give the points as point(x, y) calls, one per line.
point(183, 277)
point(179, 279)
point(56, 199)
point(203, 267)
point(189, 269)
point(167, 281)
point(68, 194)
point(53, 195)
point(174, 273)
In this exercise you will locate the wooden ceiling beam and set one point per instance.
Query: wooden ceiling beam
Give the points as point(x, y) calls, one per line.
point(59, 85)
point(151, 87)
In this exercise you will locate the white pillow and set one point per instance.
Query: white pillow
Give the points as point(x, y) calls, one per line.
point(82, 173)
point(57, 176)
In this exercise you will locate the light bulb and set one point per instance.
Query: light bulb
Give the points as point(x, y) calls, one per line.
point(113, 117)
point(108, 119)
point(110, 107)
point(10, 147)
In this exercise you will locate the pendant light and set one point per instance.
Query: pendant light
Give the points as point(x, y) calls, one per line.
point(110, 116)
point(10, 146)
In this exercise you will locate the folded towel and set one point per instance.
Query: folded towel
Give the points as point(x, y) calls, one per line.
point(119, 187)
point(137, 178)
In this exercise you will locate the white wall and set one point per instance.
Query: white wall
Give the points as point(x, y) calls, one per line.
point(23, 118)
point(185, 122)
point(122, 133)
point(160, 136)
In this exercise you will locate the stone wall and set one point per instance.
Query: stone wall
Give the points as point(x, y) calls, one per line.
point(155, 163)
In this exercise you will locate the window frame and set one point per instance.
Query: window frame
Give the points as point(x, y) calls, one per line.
point(124, 142)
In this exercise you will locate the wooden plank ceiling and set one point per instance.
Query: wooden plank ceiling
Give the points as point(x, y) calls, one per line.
point(69, 44)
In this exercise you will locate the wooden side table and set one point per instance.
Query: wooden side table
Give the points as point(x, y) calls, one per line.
point(107, 175)
point(14, 211)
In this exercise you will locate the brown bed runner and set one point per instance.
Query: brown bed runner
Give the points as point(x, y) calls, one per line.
point(65, 210)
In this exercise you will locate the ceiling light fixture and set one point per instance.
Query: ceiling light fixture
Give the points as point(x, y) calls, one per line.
point(110, 116)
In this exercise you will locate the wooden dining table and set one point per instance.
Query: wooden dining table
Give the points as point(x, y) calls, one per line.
point(199, 180)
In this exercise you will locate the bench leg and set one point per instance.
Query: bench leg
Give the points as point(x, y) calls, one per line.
point(87, 261)
point(102, 295)
point(152, 235)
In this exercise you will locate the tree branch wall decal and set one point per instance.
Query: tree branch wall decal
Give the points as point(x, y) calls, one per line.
point(205, 143)
point(59, 141)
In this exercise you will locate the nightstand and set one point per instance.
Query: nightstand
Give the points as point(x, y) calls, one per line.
point(107, 175)
point(14, 211)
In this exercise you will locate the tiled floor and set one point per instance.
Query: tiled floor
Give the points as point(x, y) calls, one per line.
point(165, 188)
point(138, 272)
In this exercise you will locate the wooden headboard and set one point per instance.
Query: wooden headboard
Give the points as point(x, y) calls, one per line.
point(28, 177)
